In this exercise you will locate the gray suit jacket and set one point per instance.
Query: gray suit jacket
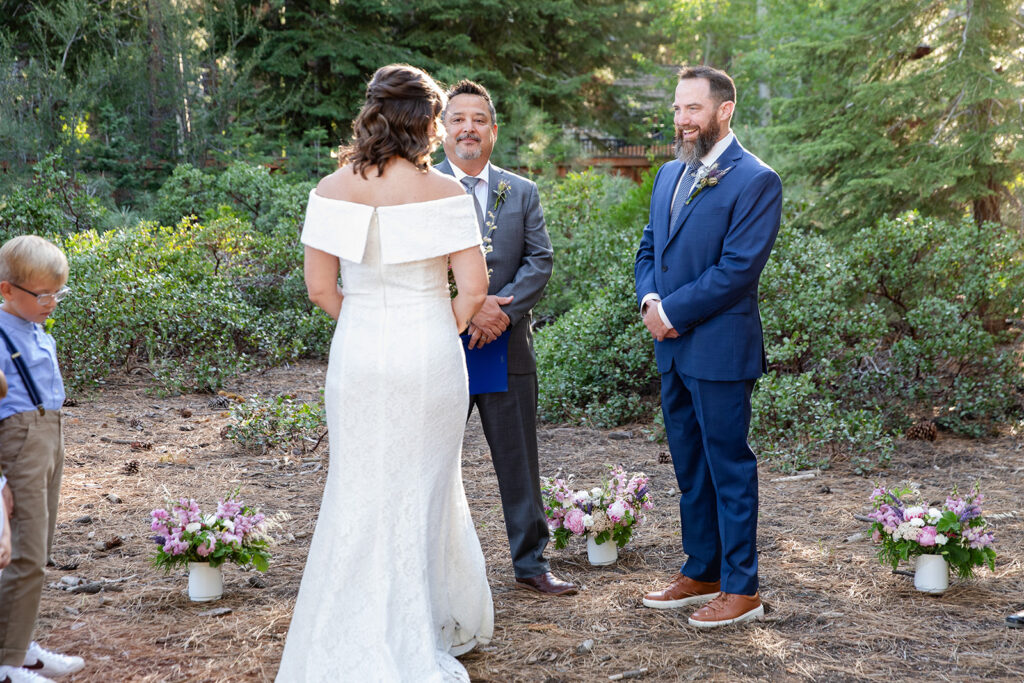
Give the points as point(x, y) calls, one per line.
point(520, 259)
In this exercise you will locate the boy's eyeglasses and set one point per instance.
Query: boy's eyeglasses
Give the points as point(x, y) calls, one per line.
point(45, 299)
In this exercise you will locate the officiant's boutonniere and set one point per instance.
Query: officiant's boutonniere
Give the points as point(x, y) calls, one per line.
point(501, 193)
point(709, 179)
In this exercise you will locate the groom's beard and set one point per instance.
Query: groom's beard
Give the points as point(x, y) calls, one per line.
point(690, 152)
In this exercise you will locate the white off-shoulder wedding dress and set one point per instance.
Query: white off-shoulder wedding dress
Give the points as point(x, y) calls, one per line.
point(395, 584)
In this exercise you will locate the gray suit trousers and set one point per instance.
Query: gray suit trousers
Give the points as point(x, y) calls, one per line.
point(509, 421)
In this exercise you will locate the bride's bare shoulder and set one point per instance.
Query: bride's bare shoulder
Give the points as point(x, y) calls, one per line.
point(338, 185)
point(443, 185)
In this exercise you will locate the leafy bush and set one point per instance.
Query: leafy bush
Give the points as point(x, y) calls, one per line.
point(595, 221)
point(55, 202)
point(271, 202)
point(596, 363)
point(187, 302)
point(261, 424)
point(949, 290)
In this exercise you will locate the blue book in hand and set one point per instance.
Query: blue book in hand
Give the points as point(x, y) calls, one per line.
point(487, 365)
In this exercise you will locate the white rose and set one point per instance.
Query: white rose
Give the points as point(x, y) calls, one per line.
point(193, 527)
point(596, 492)
point(940, 539)
point(917, 521)
point(934, 515)
point(588, 521)
point(229, 525)
point(208, 520)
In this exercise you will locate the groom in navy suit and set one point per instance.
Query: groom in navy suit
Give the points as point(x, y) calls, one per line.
point(714, 217)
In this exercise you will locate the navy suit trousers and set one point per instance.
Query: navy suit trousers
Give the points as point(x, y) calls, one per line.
point(707, 424)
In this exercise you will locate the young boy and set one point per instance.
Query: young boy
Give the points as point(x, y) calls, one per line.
point(33, 273)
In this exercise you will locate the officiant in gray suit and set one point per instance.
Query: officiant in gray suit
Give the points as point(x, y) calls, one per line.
point(508, 207)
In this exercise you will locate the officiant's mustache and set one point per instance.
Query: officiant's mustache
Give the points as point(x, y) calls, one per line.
point(468, 136)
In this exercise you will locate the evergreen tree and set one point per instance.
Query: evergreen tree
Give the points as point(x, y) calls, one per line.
point(887, 106)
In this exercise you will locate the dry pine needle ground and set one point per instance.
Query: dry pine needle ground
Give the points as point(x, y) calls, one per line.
point(834, 613)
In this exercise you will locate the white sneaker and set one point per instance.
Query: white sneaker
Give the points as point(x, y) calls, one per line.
point(50, 663)
point(15, 674)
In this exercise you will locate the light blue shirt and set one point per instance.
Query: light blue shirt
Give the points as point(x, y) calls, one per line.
point(39, 351)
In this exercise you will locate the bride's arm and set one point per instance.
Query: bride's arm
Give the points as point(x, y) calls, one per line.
point(321, 271)
point(470, 271)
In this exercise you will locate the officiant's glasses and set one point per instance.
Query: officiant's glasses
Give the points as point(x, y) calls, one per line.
point(46, 298)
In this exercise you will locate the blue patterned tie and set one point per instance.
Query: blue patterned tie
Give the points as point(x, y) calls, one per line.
point(685, 187)
point(470, 183)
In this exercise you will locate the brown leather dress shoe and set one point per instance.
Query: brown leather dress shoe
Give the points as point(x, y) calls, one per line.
point(681, 592)
point(547, 584)
point(728, 608)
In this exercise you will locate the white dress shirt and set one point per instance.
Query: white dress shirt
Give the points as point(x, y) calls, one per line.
point(707, 160)
point(481, 189)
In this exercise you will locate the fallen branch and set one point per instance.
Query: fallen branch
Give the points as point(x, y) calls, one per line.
point(797, 477)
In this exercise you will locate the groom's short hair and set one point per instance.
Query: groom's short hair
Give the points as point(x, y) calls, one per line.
point(468, 87)
point(722, 87)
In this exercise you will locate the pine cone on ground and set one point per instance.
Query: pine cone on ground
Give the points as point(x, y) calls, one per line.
point(925, 430)
point(130, 467)
point(664, 458)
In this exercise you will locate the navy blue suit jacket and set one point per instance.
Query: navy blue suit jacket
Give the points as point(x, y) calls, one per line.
point(706, 267)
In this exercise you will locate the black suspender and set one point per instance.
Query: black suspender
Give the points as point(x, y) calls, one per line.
point(26, 377)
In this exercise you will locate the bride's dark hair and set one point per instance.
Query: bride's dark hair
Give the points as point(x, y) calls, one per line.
point(400, 118)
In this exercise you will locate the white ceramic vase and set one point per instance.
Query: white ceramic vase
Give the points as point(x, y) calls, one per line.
point(205, 583)
point(601, 554)
point(931, 574)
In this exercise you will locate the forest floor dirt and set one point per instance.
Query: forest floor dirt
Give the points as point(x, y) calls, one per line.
point(833, 612)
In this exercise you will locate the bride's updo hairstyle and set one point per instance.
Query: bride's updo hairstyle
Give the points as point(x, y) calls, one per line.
point(400, 118)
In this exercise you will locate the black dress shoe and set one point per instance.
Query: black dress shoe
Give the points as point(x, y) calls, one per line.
point(547, 584)
point(1015, 620)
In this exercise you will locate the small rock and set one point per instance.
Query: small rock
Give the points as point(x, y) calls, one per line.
point(671, 492)
point(824, 489)
point(620, 436)
point(104, 600)
point(186, 428)
point(91, 534)
point(257, 582)
point(71, 580)
point(215, 612)
point(599, 628)
point(72, 610)
point(84, 519)
point(77, 625)
point(113, 498)
point(859, 536)
point(289, 537)
point(532, 659)
point(99, 545)
point(585, 647)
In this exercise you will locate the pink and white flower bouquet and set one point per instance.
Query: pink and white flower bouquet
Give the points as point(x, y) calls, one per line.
point(235, 533)
point(957, 531)
point(609, 511)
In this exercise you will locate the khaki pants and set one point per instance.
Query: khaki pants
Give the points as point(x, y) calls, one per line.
point(32, 458)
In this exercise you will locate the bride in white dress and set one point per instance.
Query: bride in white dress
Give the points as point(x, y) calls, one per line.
point(395, 584)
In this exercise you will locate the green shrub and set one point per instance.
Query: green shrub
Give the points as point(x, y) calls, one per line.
point(276, 424)
point(55, 202)
point(595, 221)
point(270, 202)
point(187, 302)
point(595, 364)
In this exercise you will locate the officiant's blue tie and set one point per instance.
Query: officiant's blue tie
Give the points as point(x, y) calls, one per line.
point(685, 187)
point(470, 183)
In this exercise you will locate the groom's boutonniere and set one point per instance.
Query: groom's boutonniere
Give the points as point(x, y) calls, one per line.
point(501, 193)
point(709, 179)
